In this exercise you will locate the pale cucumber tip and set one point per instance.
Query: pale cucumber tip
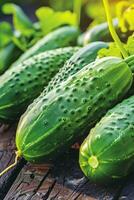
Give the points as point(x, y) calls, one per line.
point(93, 162)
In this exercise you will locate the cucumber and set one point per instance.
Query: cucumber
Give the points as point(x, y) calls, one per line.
point(19, 86)
point(80, 59)
point(62, 37)
point(7, 56)
point(84, 56)
point(107, 154)
point(101, 33)
point(65, 113)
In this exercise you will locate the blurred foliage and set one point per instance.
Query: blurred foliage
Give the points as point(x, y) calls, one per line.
point(92, 10)
point(20, 20)
point(125, 14)
point(95, 10)
point(5, 34)
point(23, 30)
point(26, 33)
point(33, 19)
point(61, 4)
point(57, 5)
point(50, 19)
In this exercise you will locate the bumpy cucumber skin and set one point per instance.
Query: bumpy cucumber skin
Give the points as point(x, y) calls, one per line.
point(79, 60)
point(62, 37)
point(20, 86)
point(112, 143)
point(69, 110)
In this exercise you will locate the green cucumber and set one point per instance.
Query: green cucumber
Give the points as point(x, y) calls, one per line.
point(8, 55)
point(62, 37)
point(101, 33)
point(84, 56)
point(80, 59)
point(107, 154)
point(65, 113)
point(19, 86)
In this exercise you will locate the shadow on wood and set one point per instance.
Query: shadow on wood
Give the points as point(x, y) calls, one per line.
point(7, 156)
point(63, 180)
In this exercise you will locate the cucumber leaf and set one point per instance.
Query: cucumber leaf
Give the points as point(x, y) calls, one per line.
point(113, 50)
point(21, 22)
point(25, 33)
point(50, 19)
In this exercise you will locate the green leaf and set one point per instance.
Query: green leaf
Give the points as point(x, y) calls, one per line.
point(113, 50)
point(5, 34)
point(21, 22)
point(50, 20)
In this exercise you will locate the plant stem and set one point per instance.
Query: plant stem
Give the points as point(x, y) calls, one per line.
point(12, 165)
point(77, 10)
point(112, 29)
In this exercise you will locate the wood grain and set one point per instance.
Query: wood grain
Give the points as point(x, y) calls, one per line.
point(7, 155)
point(61, 181)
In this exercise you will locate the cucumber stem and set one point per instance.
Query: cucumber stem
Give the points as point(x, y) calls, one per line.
point(12, 165)
point(112, 29)
point(77, 10)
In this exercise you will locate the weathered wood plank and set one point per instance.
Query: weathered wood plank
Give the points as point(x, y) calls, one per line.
point(7, 155)
point(62, 181)
point(28, 182)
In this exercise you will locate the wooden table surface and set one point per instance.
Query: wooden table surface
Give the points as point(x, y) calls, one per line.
point(61, 181)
